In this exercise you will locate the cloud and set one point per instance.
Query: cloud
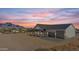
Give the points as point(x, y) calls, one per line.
point(31, 16)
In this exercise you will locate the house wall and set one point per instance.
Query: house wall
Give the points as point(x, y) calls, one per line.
point(60, 34)
point(70, 32)
point(56, 34)
point(51, 34)
point(37, 27)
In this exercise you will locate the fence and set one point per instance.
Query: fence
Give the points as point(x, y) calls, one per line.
point(38, 34)
point(54, 34)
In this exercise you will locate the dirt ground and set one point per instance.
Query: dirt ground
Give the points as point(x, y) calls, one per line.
point(73, 45)
point(24, 42)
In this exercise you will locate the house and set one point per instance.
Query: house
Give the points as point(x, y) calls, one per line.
point(9, 27)
point(63, 31)
point(77, 30)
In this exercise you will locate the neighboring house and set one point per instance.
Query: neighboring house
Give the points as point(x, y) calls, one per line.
point(64, 31)
point(9, 27)
point(77, 30)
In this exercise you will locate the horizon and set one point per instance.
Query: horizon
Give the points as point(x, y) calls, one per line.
point(29, 17)
point(37, 24)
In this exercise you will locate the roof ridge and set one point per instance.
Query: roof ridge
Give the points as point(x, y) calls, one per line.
point(55, 24)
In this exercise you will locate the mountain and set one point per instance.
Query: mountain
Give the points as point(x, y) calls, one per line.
point(10, 25)
point(76, 25)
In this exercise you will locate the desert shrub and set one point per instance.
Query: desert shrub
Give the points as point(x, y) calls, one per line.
point(78, 46)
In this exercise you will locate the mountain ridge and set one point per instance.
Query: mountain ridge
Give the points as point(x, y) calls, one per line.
point(10, 25)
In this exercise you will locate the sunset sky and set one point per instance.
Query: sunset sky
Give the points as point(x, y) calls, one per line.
point(29, 17)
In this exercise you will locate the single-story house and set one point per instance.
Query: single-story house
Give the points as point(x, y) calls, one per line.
point(64, 31)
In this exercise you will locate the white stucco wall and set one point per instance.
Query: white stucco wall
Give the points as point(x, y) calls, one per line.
point(70, 32)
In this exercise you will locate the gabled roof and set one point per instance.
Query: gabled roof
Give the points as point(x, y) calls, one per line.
point(54, 27)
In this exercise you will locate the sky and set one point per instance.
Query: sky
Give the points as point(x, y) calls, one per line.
point(29, 17)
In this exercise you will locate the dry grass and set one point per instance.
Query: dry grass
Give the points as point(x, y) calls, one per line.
point(70, 45)
point(73, 45)
point(23, 42)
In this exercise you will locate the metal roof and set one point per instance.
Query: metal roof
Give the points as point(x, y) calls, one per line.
point(54, 27)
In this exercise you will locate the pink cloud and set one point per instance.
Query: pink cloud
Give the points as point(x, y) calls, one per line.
point(30, 20)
